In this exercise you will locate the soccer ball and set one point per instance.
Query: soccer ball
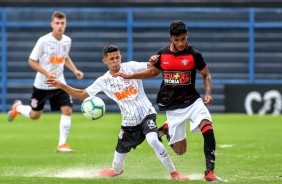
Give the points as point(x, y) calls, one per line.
point(93, 107)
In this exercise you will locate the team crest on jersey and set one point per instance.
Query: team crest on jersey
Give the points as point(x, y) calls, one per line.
point(126, 81)
point(184, 62)
point(34, 103)
point(177, 77)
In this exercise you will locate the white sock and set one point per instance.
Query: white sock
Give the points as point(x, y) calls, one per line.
point(119, 161)
point(24, 110)
point(65, 124)
point(152, 139)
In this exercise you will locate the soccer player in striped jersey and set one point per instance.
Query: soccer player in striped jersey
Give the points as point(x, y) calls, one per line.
point(48, 58)
point(138, 114)
point(178, 63)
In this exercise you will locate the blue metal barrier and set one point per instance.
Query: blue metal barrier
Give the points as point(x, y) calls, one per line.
point(132, 19)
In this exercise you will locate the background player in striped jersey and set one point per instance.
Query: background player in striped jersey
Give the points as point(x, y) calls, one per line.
point(48, 58)
point(138, 114)
point(178, 97)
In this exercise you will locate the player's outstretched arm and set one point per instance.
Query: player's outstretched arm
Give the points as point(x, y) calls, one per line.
point(153, 60)
point(77, 93)
point(149, 73)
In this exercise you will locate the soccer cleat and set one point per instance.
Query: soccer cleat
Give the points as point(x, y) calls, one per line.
point(64, 148)
point(210, 176)
point(178, 176)
point(109, 172)
point(13, 112)
point(163, 130)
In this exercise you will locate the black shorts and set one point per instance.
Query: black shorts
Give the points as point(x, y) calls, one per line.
point(56, 97)
point(131, 137)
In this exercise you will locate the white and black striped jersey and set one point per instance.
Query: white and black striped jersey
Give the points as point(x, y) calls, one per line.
point(50, 54)
point(128, 93)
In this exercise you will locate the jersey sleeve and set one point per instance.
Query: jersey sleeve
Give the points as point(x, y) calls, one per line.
point(94, 88)
point(37, 50)
point(199, 61)
point(158, 63)
point(69, 48)
point(135, 66)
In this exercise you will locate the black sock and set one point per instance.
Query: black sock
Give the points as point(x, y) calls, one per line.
point(209, 147)
point(164, 130)
point(166, 133)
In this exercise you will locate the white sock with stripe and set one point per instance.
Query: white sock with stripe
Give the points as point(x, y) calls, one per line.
point(152, 139)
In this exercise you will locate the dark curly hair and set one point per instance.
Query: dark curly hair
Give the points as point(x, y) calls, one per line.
point(177, 28)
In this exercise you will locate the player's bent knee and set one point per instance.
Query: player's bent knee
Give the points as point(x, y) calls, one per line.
point(205, 122)
point(179, 147)
point(66, 110)
point(35, 117)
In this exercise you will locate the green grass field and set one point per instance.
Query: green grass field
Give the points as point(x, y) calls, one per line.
point(249, 151)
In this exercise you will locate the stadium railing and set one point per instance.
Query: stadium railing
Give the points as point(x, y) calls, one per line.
point(241, 45)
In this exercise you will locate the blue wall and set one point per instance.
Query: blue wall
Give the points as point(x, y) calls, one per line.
point(240, 45)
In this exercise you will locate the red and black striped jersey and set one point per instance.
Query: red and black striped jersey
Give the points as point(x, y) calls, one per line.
point(179, 74)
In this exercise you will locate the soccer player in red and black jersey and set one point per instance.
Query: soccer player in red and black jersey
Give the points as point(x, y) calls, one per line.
point(178, 96)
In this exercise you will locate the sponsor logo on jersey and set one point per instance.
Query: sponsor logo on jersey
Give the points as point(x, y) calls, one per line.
point(56, 59)
point(177, 77)
point(166, 62)
point(126, 93)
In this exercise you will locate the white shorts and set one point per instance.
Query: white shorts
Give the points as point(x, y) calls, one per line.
point(177, 118)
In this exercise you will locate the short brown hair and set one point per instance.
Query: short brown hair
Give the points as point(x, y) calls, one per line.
point(109, 48)
point(59, 15)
